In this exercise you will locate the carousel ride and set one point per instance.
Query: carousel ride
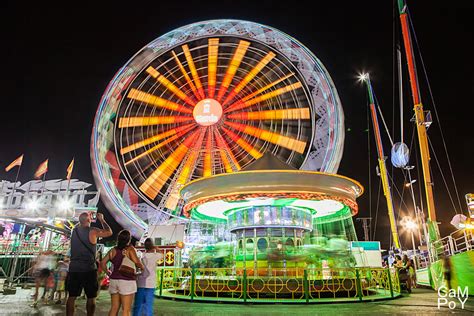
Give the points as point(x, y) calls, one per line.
point(236, 126)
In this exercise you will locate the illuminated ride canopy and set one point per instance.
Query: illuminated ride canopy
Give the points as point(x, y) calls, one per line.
point(206, 99)
point(279, 198)
point(280, 218)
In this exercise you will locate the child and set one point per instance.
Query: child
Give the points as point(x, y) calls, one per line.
point(61, 273)
point(147, 281)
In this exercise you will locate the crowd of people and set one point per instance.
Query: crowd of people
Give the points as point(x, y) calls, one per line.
point(50, 272)
point(131, 274)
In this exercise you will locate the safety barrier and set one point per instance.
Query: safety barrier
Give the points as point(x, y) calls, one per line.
point(280, 285)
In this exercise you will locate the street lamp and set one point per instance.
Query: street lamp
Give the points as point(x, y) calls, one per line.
point(408, 184)
point(411, 225)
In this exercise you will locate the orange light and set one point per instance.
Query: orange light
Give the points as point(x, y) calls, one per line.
point(212, 65)
point(263, 97)
point(186, 171)
point(151, 120)
point(169, 85)
point(274, 138)
point(242, 143)
point(268, 86)
point(286, 114)
point(265, 60)
point(156, 101)
point(225, 147)
point(192, 68)
point(155, 138)
point(156, 147)
point(232, 68)
point(178, 134)
point(186, 76)
point(207, 172)
point(153, 184)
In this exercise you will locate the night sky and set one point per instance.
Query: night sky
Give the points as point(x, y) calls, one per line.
point(58, 60)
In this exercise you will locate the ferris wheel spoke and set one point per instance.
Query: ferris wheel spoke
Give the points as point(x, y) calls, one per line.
point(268, 86)
point(207, 172)
point(156, 101)
point(223, 148)
point(153, 184)
point(186, 76)
point(154, 148)
point(242, 143)
point(232, 68)
point(252, 73)
point(178, 130)
point(285, 114)
point(212, 65)
point(134, 121)
point(272, 137)
point(192, 68)
point(169, 85)
point(245, 104)
point(191, 161)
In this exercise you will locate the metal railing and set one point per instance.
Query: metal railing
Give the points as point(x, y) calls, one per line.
point(456, 242)
point(17, 258)
point(281, 285)
point(11, 247)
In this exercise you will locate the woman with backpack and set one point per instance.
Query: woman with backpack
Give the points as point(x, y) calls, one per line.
point(123, 284)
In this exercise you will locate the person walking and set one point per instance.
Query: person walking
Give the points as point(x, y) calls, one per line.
point(83, 266)
point(63, 267)
point(43, 268)
point(146, 281)
point(447, 271)
point(122, 286)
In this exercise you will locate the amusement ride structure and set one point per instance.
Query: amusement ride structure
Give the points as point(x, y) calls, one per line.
point(235, 130)
point(36, 216)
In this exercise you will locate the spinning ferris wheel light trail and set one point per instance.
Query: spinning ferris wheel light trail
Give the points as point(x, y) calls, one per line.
point(204, 100)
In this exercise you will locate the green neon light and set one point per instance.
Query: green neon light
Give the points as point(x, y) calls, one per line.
point(219, 211)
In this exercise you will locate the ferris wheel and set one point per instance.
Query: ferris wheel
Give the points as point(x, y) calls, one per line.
point(206, 99)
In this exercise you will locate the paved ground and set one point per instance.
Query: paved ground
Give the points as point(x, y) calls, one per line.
point(421, 301)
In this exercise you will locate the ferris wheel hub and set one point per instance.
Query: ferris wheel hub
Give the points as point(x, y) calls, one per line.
point(207, 112)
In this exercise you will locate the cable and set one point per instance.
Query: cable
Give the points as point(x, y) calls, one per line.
point(383, 120)
point(442, 175)
point(399, 194)
point(434, 107)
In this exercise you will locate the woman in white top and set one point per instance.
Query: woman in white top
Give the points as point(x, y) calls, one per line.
point(146, 281)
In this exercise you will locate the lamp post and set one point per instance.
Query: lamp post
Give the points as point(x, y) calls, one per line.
point(411, 225)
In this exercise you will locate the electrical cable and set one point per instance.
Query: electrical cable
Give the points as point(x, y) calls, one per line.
point(442, 175)
point(434, 107)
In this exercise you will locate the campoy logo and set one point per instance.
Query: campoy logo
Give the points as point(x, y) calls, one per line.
point(451, 297)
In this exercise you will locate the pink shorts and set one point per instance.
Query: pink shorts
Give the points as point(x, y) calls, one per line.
point(122, 287)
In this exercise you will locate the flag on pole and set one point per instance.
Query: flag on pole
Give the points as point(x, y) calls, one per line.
point(42, 169)
point(69, 170)
point(17, 162)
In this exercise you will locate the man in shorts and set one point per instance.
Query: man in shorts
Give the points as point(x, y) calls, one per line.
point(83, 266)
